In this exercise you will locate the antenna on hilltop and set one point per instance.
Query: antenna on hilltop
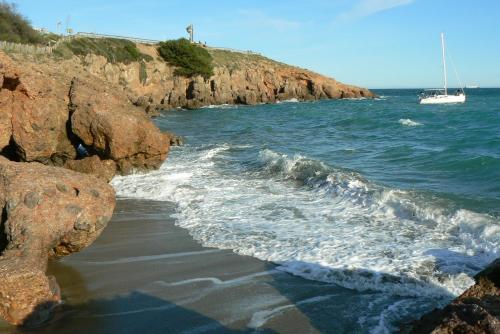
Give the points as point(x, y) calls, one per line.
point(190, 30)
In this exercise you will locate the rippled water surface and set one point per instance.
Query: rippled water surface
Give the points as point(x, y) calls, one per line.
point(381, 195)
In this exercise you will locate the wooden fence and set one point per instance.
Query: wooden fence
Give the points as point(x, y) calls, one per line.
point(25, 48)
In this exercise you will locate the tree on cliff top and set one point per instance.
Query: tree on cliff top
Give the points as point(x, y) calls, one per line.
point(14, 27)
point(190, 59)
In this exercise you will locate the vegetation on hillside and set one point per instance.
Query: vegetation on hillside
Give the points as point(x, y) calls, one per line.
point(16, 28)
point(235, 60)
point(113, 49)
point(190, 59)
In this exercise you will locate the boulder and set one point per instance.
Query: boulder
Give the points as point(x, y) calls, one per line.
point(111, 127)
point(104, 169)
point(46, 211)
point(46, 113)
point(33, 115)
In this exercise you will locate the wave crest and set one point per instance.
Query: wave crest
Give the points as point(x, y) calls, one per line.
point(408, 122)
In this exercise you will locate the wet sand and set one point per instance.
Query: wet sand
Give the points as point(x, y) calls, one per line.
point(145, 275)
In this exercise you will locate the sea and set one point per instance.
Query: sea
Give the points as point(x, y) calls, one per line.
point(393, 200)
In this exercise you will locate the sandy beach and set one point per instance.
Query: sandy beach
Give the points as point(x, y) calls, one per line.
point(145, 275)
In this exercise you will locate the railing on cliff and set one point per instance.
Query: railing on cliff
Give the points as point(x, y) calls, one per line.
point(234, 50)
point(40, 49)
point(132, 39)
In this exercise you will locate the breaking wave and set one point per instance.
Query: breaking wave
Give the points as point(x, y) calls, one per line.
point(408, 122)
point(321, 222)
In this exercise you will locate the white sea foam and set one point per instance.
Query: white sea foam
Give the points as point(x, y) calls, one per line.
point(408, 122)
point(292, 100)
point(260, 318)
point(322, 223)
point(220, 106)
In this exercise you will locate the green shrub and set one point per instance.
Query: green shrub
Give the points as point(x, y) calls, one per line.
point(16, 28)
point(113, 49)
point(190, 59)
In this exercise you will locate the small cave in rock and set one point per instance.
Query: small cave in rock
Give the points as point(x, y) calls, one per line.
point(11, 152)
point(310, 87)
point(190, 91)
point(10, 83)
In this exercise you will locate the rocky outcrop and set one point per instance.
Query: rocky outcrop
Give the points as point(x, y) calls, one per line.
point(238, 78)
point(33, 115)
point(477, 310)
point(104, 169)
point(109, 126)
point(46, 112)
point(46, 211)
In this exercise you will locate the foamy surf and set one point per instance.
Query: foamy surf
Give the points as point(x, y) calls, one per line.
point(292, 100)
point(408, 122)
point(332, 226)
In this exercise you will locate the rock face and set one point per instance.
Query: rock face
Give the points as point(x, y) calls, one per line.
point(48, 110)
point(477, 310)
point(109, 126)
point(46, 211)
point(238, 78)
point(33, 115)
point(104, 169)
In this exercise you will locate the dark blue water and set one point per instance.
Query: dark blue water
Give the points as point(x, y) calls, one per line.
point(381, 195)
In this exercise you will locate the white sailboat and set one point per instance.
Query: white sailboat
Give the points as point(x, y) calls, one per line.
point(440, 96)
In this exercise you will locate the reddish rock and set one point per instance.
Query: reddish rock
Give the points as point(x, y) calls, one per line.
point(46, 112)
point(476, 311)
point(46, 211)
point(104, 169)
point(36, 108)
point(111, 126)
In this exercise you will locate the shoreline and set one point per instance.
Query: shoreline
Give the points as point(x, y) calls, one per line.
point(145, 273)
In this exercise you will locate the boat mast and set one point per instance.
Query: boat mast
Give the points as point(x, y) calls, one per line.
point(444, 66)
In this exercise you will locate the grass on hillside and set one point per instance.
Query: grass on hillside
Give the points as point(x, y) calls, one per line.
point(190, 59)
point(114, 50)
point(230, 59)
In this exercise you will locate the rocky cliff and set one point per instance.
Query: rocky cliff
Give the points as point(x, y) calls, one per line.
point(239, 78)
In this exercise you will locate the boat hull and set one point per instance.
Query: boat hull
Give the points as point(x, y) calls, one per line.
point(442, 99)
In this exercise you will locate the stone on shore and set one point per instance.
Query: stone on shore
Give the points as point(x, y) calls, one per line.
point(104, 169)
point(109, 125)
point(46, 211)
point(477, 310)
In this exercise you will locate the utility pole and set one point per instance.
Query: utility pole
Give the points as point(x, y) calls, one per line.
point(190, 30)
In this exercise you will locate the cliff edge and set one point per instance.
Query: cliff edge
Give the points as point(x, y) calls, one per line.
point(238, 78)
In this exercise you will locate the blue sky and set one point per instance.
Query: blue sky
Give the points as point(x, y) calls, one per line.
point(372, 43)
